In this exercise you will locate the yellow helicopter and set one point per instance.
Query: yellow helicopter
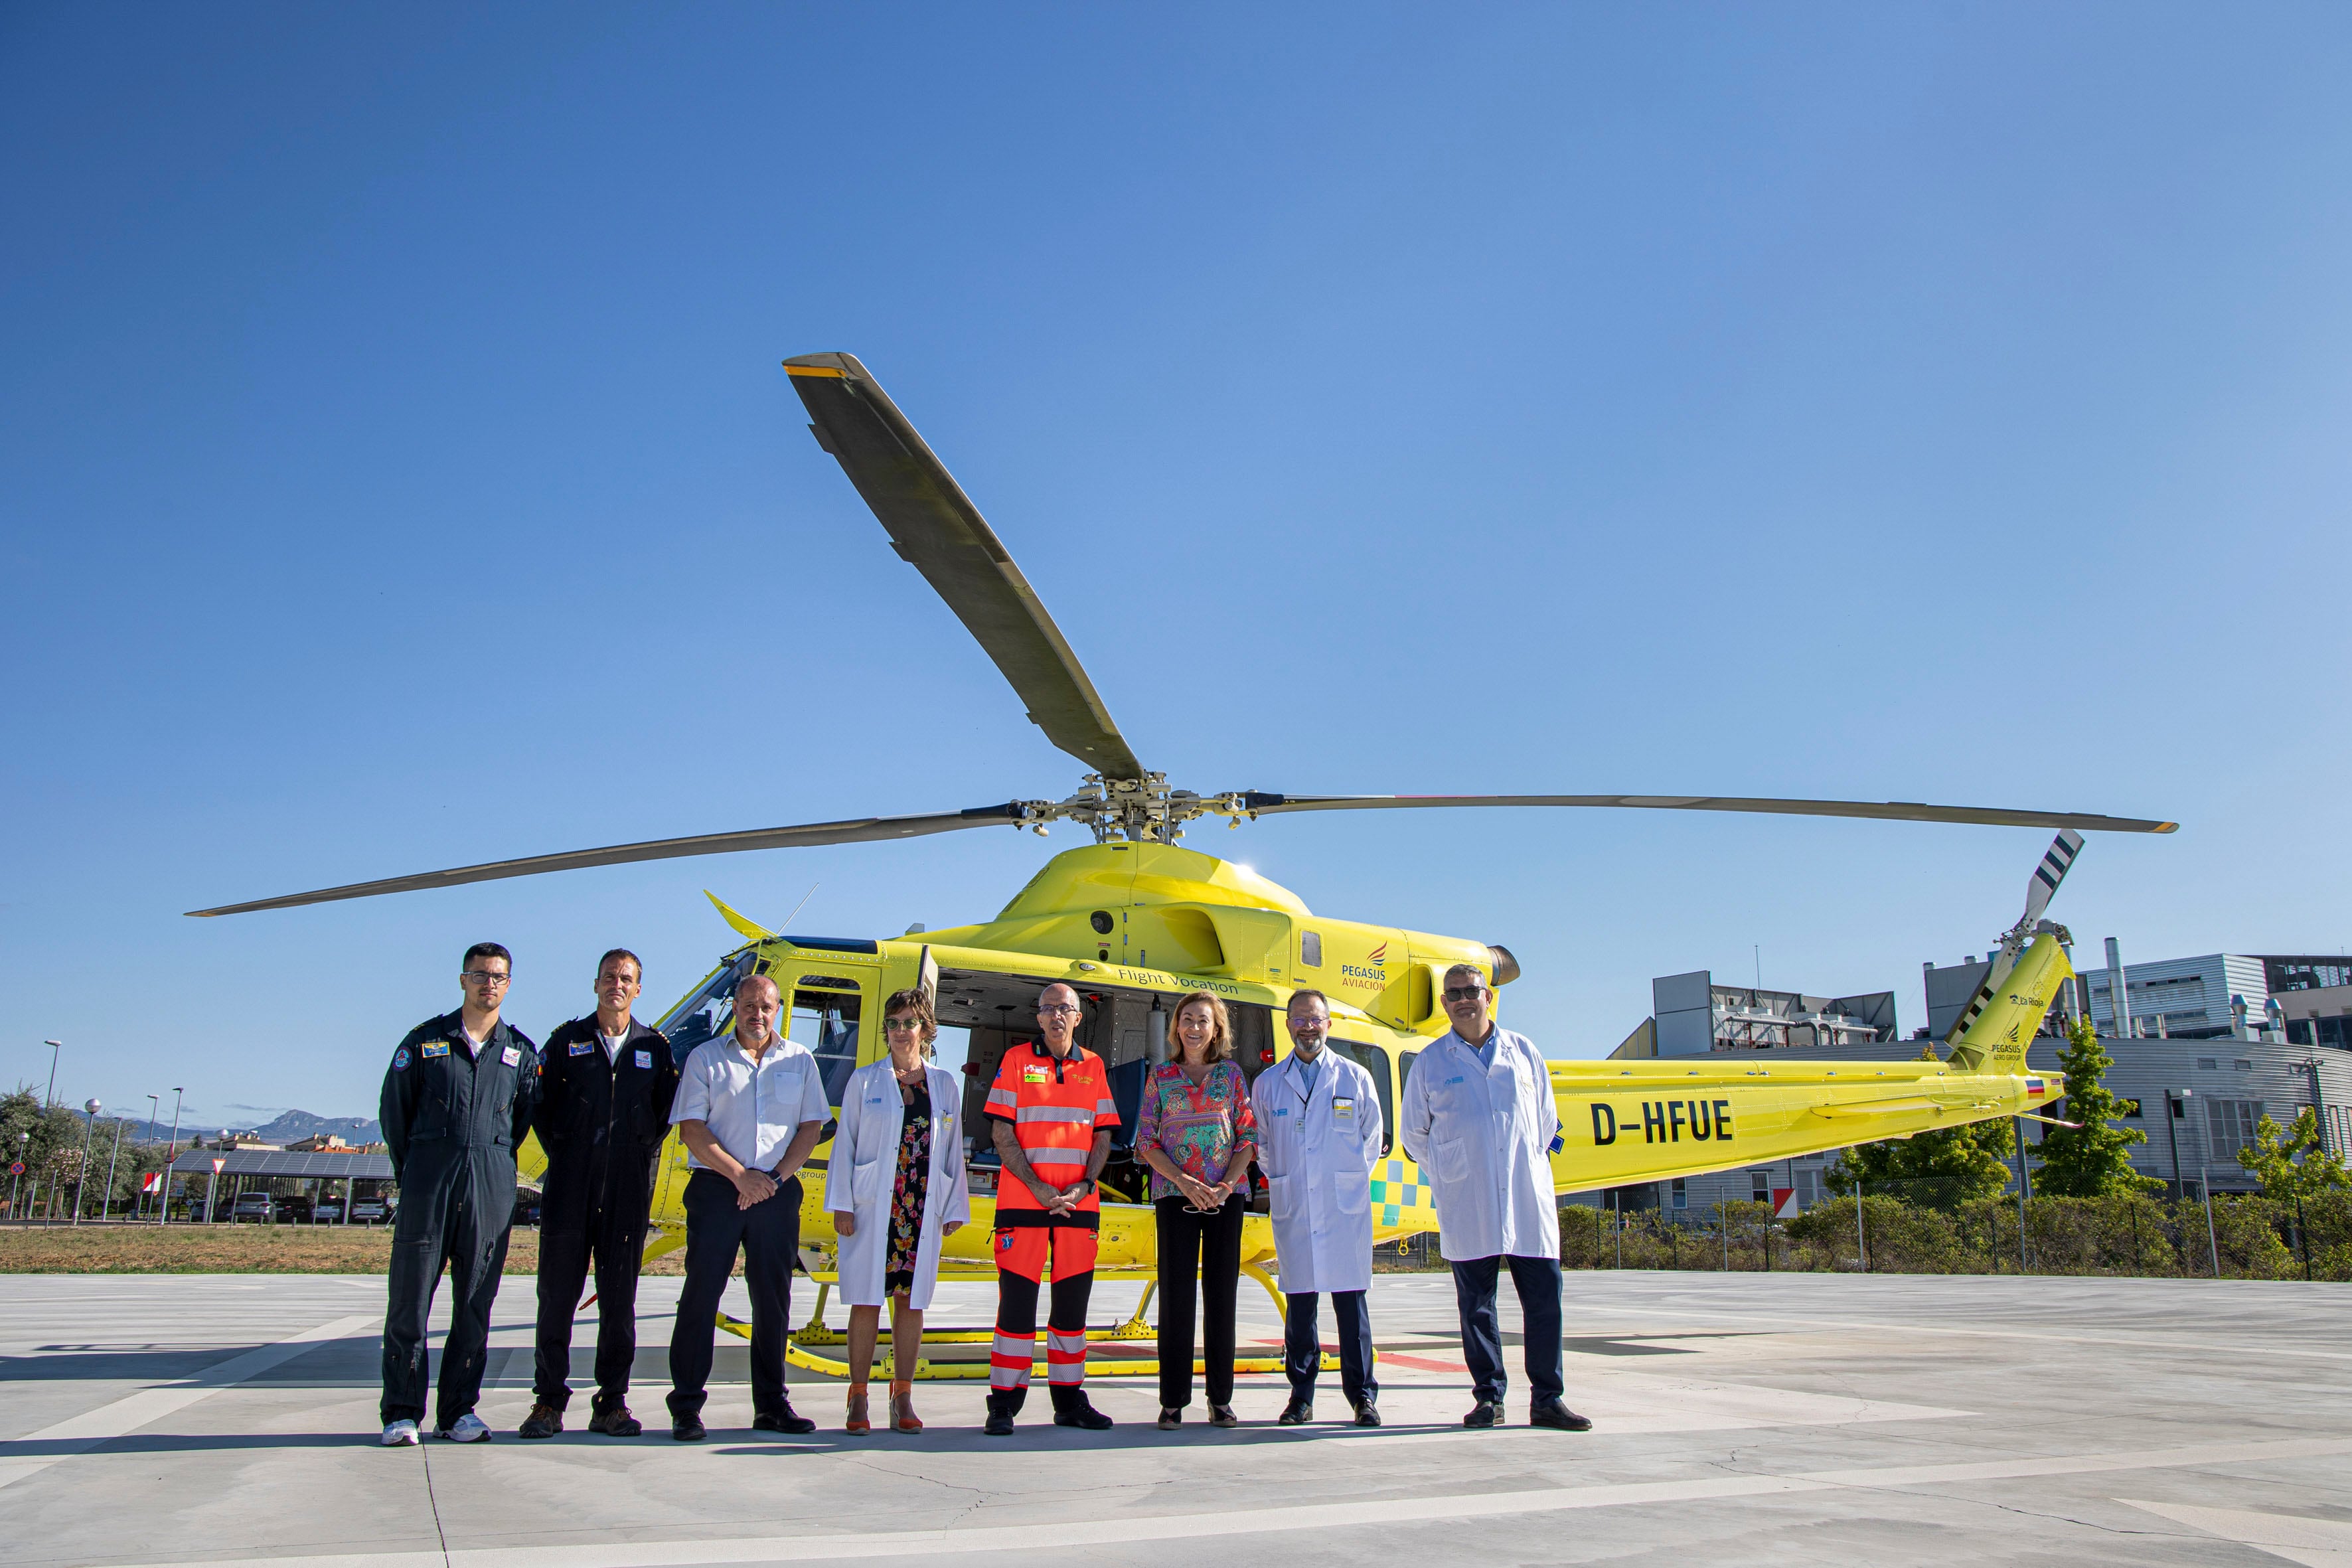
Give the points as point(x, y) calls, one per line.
point(1135, 921)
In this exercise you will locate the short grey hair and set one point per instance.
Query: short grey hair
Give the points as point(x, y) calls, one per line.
point(1472, 970)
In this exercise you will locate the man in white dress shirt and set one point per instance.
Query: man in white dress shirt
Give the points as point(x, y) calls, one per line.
point(750, 1109)
point(1479, 1119)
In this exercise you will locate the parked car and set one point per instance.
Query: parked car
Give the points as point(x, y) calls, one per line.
point(294, 1209)
point(327, 1211)
point(254, 1206)
point(371, 1211)
point(526, 1209)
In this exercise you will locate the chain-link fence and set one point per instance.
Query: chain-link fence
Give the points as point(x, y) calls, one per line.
point(1912, 1228)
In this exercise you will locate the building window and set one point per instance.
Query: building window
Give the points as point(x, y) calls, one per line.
point(1760, 1187)
point(2232, 1124)
point(1681, 1193)
point(2242, 1065)
point(2207, 1064)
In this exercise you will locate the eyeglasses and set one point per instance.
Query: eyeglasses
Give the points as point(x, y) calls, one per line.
point(1059, 1010)
point(908, 1026)
point(1464, 993)
point(485, 978)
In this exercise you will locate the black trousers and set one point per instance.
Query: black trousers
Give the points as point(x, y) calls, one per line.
point(767, 1235)
point(1538, 1281)
point(616, 1242)
point(1210, 1244)
point(1302, 1344)
point(473, 1246)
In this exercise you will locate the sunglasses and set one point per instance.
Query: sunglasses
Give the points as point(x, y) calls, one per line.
point(1464, 993)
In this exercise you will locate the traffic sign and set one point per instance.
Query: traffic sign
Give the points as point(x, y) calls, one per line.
point(218, 1165)
point(16, 1169)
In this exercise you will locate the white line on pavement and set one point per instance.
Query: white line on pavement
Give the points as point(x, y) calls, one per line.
point(1268, 1521)
point(2132, 1342)
point(81, 1433)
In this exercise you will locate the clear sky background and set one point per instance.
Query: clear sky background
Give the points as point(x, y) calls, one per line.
point(1937, 403)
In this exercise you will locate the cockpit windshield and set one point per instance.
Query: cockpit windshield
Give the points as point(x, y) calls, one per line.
point(710, 1011)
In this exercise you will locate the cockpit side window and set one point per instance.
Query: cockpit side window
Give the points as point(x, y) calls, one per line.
point(710, 1011)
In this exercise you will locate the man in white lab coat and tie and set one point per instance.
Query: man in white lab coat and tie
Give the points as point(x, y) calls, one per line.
point(1479, 1119)
point(1318, 1134)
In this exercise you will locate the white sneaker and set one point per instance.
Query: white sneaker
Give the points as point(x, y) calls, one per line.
point(467, 1428)
point(400, 1434)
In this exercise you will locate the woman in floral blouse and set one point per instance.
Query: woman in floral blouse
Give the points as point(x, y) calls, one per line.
point(1198, 1134)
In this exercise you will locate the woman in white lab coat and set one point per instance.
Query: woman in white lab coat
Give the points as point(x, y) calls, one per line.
point(896, 1188)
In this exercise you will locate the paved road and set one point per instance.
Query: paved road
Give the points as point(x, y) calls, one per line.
point(1741, 1418)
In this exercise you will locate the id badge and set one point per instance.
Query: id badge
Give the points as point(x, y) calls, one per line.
point(645, 1058)
point(511, 1056)
point(1343, 1108)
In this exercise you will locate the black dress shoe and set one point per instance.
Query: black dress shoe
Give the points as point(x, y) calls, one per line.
point(998, 1425)
point(1368, 1413)
point(785, 1420)
point(688, 1429)
point(1550, 1412)
point(1298, 1412)
point(1486, 1413)
point(1086, 1417)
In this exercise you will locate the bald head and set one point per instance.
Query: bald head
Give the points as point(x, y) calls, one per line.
point(758, 1006)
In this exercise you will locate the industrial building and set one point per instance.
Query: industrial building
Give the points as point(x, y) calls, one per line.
point(2206, 1048)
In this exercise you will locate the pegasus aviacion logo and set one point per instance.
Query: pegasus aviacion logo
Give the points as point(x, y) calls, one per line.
point(1372, 972)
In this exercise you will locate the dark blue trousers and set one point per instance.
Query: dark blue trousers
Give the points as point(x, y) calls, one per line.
point(768, 1236)
point(1302, 1345)
point(1538, 1281)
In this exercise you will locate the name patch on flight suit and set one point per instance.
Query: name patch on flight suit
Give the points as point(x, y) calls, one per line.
point(581, 1048)
point(511, 1056)
point(645, 1058)
point(433, 1048)
point(1343, 1109)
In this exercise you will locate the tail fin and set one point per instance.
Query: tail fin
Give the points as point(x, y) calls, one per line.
point(2008, 1010)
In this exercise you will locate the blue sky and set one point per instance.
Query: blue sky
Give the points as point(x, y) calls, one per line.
point(1938, 402)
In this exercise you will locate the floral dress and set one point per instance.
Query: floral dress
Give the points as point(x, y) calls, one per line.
point(1197, 1128)
point(912, 1186)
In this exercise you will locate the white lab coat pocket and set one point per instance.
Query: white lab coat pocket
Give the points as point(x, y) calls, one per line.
point(1282, 1198)
point(1449, 1160)
point(1351, 1193)
point(866, 1181)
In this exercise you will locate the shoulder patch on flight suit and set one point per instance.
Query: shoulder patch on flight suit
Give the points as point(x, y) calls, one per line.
point(433, 1048)
point(400, 1059)
point(645, 1058)
point(511, 1056)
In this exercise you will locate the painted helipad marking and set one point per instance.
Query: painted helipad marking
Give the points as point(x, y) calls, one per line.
point(2315, 1543)
point(81, 1432)
point(1080, 1534)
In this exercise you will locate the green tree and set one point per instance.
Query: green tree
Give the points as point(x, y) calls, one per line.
point(2092, 1160)
point(2293, 1162)
point(1947, 1165)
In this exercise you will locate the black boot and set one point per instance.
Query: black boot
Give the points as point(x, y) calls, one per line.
point(1072, 1408)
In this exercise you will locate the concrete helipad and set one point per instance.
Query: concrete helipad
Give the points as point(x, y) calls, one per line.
point(1742, 1418)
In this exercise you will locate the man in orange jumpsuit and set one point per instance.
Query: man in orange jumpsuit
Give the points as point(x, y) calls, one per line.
point(1053, 1116)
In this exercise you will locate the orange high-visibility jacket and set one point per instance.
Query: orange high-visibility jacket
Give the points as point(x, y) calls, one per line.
point(1056, 1105)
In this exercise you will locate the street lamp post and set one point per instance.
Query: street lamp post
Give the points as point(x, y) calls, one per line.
point(23, 1142)
point(170, 1153)
point(154, 1110)
point(106, 1193)
point(81, 1180)
point(56, 1048)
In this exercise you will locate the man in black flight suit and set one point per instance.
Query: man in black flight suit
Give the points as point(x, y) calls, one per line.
point(457, 1099)
point(603, 1111)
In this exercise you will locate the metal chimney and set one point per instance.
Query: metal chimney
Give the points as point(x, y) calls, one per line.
point(2119, 1003)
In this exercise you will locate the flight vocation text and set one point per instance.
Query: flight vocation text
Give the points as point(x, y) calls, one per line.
point(1666, 1120)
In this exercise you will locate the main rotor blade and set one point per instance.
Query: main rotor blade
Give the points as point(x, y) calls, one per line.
point(2051, 872)
point(1262, 803)
point(933, 525)
point(856, 830)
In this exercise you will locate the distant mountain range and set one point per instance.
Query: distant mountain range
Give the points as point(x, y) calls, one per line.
point(283, 1129)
